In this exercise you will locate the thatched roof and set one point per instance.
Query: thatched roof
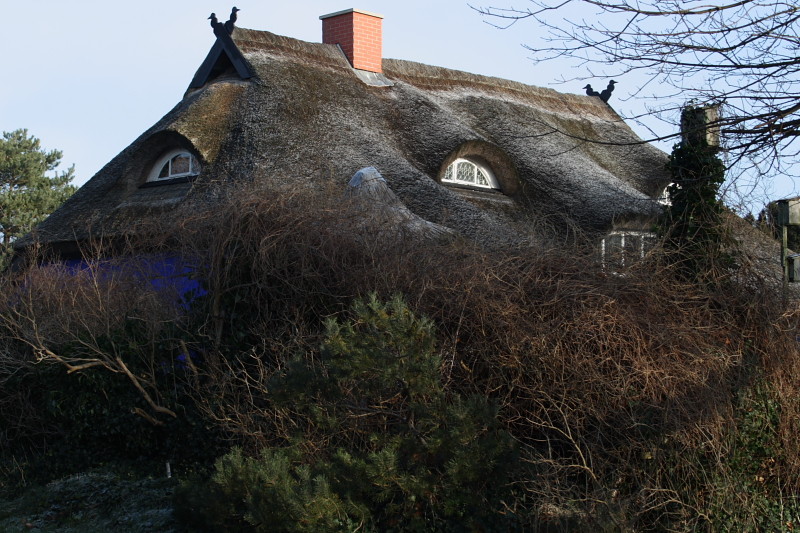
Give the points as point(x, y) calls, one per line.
point(301, 115)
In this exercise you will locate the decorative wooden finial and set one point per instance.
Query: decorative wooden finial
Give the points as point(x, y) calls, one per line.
point(231, 20)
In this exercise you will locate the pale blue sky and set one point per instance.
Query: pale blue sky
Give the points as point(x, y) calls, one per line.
point(88, 76)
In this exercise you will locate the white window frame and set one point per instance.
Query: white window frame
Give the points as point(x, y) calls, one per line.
point(624, 259)
point(166, 159)
point(477, 166)
point(665, 199)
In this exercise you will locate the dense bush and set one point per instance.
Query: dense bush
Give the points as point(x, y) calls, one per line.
point(379, 442)
point(95, 372)
point(633, 398)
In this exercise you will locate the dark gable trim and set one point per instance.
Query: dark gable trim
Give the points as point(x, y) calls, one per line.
point(223, 54)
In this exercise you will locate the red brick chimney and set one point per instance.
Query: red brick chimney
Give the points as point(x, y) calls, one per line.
point(359, 33)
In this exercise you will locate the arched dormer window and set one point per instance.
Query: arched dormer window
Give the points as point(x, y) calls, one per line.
point(176, 164)
point(471, 173)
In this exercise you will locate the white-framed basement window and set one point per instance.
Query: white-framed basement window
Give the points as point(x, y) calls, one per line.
point(472, 173)
point(175, 164)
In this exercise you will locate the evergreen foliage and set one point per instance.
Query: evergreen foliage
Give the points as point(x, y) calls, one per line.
point(694, 227)
point(27, 193)
point(382, 445)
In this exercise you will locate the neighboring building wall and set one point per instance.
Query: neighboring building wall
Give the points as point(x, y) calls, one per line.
point(359, 33)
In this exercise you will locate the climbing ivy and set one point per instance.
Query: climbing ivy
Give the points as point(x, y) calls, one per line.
point(693, 227)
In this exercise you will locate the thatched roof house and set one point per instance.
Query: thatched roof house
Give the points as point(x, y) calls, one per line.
point(470, 153)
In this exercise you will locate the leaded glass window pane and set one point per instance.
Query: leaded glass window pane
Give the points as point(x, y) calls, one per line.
point(465, 172)
point(470, 173)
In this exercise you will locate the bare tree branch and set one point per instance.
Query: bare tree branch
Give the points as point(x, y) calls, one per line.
point(742, 55)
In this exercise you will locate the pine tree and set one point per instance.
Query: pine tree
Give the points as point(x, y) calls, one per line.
point(382, 445)
point(27, 193)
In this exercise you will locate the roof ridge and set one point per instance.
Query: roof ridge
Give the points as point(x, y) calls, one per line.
point(249, 40)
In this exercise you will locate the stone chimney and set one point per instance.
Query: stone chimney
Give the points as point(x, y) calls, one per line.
point(700, 122)
point(359, 33)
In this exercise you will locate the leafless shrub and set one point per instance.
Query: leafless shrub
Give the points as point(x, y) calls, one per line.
point(74, 314)
point(619, 386)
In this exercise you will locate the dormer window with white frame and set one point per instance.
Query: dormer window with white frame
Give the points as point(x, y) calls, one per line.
point(470, 173)
point(175, 165)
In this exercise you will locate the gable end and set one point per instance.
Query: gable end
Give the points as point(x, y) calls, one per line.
point(223, 57)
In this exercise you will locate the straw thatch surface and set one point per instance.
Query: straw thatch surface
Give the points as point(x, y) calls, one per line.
point(305, 119)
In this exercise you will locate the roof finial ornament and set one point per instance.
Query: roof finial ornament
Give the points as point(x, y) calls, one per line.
point(590, 91)
point(606, 93)
point(231, 20)
point(219, 29)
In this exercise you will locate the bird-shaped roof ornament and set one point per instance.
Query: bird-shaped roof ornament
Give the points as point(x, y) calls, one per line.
point(605, 94)
point(590, 91)
point(232, 20)
point(218, 27)
point(227, 28)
